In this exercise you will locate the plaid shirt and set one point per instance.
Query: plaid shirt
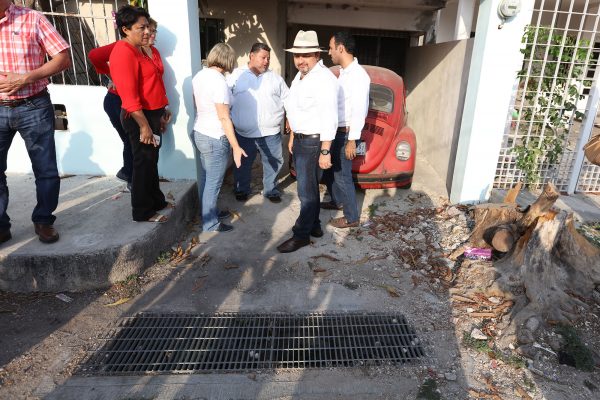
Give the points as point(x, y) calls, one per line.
point(26, 36)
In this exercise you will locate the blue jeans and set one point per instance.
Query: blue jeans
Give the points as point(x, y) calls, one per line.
point(214, 154)
point(35, 122)
point(338, 179)
point(306, 160)
point(272, 159)
point(112, 107)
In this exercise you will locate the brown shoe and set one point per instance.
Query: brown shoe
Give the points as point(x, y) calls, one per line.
point(46, 233)
point(342, 223)
point(292, 245)
point(5, 236)
point(330, 205)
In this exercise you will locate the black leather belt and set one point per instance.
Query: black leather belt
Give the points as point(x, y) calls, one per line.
point(17, 102)
point(303, 136)
point(343, 129)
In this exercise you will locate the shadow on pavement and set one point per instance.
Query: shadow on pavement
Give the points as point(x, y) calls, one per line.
point(360, 270)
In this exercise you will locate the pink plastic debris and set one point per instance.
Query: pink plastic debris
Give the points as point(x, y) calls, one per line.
point(478, 253)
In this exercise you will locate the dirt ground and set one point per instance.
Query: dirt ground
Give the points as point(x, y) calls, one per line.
point(398, 260)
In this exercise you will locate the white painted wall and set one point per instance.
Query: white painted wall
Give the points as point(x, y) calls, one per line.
point(92, 146)
point(249, 22)
point(178, 41)
point(496, 59)
point(417, 20)
point(455, 21)
point(445, 24)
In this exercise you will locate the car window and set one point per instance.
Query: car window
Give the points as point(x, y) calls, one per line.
point(381, 98)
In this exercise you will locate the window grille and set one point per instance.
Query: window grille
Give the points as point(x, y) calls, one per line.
point(552, 98)
point(84, 24)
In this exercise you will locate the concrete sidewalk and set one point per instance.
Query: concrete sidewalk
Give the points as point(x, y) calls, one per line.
point(584, 206)
point(99, 243)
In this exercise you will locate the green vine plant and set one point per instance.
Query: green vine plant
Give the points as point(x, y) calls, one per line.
point(549, 98)
point(138, 3)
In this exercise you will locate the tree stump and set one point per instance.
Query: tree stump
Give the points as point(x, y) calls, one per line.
point(549, 269)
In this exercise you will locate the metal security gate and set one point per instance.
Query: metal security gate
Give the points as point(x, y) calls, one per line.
point(554, 109)
point(84, 24)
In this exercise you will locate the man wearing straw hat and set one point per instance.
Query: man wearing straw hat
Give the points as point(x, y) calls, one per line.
point(312, 112)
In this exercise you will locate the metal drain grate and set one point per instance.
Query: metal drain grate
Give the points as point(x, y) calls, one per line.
point(186, 343)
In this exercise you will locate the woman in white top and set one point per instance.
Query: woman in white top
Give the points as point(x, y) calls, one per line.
point(214, 136)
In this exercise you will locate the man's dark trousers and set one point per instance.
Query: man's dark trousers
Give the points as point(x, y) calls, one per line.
point(34, 120)
point(306, 161)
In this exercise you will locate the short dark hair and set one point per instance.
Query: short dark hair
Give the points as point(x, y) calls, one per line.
point(256, 47)
point(345, 38)
point(129, 15)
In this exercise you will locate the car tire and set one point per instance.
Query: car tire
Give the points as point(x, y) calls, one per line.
point(407, 186)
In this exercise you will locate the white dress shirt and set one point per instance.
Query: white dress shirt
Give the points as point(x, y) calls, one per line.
point(312, 106)
point(257, 102)
point(209, 88)
point(353, 103)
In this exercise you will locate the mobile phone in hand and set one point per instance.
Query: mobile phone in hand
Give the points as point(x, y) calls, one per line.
point(156, 139)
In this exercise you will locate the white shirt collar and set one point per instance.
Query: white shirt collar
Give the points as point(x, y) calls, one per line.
point(350, 67)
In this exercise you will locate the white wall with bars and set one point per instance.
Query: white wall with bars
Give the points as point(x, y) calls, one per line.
point(554, 102)
point(84, 24)
point(90, 144)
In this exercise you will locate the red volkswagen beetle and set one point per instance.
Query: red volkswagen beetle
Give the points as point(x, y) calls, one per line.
point(386, 156)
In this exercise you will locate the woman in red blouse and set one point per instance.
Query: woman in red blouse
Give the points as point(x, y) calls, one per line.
point(138, 79)
point(112, 107)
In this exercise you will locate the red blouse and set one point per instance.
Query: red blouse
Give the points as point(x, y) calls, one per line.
point(99, 58)
point(137, 77)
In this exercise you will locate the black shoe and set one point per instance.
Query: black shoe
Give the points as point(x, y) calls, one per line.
point(329, 205)
point(274, 199)
point(241, 196)
point(122, 176)
point(223, 215)
point(224, 228)
point(292, 245)
point(5, 236)
point(316, 232)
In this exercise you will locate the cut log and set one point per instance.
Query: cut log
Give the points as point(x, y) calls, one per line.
point(502, 237)
point(501, 225)
point(542, 205)
point(549, 270)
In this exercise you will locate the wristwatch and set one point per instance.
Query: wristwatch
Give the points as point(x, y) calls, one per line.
point(324, 152)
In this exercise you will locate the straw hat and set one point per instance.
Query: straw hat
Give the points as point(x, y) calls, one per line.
point(305, 42)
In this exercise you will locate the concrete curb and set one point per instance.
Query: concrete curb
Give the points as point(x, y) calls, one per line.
point(98, 266)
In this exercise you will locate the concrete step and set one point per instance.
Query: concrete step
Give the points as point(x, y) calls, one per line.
point(99, 242)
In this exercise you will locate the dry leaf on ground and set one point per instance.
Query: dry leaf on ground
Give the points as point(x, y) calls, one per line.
point(118, 302)
point(392, 291)
point(326, 256)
